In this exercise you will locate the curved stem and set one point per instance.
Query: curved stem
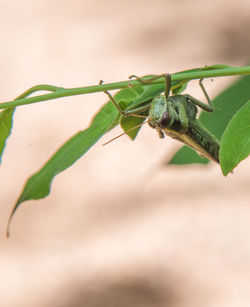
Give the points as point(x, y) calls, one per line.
point(58, 92)
point(36, 88)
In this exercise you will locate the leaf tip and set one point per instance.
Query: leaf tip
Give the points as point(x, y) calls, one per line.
point(8, 227)
point(7, 232)
point(11, 217)
point(224, 173)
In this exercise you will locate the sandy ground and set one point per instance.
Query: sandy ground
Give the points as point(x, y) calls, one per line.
point(115, 231)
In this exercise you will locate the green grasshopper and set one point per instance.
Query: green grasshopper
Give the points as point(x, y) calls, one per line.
point(175, 116)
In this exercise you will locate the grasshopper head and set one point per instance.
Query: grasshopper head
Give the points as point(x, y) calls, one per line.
point(159, 112)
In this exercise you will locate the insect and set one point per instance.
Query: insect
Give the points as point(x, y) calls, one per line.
point(175, 116)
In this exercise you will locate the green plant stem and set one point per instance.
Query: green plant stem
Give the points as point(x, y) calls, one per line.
point(58, 92)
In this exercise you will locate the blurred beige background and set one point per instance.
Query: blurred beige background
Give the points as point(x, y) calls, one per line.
point(117, 230)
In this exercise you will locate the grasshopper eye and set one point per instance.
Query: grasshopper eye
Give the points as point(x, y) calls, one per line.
point(164, 120)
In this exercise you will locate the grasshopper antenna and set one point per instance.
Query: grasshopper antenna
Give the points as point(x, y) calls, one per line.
point(116, 137)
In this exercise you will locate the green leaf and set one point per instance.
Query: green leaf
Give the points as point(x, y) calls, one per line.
point(129, 125)
point(235, 142)
point(149, 92)
point(191, 156)
point(226, 105)
point(38, 185)
point(179, 88)
point(6, 117)
point(127, 95)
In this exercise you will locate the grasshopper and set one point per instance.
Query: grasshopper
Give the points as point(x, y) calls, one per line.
point(175, 116)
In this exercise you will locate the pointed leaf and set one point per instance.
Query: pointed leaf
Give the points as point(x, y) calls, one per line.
point(235, 142)
point(38, 185)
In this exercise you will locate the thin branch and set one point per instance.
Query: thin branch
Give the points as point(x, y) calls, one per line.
point(58, 92)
